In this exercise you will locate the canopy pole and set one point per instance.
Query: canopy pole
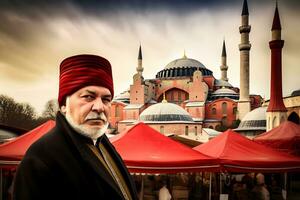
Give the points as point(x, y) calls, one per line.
point(285, 180)
point(1, 184)
point(142, 189)
point(209, 193)
point(285, 184)
point(220, 183)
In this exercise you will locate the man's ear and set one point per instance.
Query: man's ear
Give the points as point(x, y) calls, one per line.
point(63, 109)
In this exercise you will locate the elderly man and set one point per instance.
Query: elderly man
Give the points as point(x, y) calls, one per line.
point(75, 160)
point(260, 191)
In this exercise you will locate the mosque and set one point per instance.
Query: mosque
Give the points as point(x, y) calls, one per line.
point(185, 97)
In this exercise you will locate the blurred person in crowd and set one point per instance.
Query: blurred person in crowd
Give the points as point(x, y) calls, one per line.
point(196, 187)
point(260, 191)
point(164, 193)
point(240, 191)
point(275, 189)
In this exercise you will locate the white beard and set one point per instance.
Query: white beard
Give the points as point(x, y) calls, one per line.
point(93, 133)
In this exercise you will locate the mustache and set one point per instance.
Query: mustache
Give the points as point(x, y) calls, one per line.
point(96, 116)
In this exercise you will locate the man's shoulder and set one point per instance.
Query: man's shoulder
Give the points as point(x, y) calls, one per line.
point(46, 143)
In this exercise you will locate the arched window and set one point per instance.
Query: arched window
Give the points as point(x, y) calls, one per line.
point(162, 129)
point(234, 110)
point(186, 130)
point(167, 73)
point(282, 119)
point(190, 72)
point(294, 117)
point(224, 121)
point(186, 72)
point(172, 96)
point(213, 111)
point(196, 130)
point(117, 111)
point(175, 72)
point(172, 73)
point(224, 108)
point(180, 72)
point(274, 122)
point(186, 96)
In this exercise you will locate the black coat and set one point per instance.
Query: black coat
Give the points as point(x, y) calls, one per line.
point(60, 165)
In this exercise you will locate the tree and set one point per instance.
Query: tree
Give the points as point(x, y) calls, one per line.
point(7, 105)
point(235, 124)
point(221, 128)
point(20, 115)
point(51, 108)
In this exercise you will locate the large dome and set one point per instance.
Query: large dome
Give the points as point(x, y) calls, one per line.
point(165, 112)
point(183, 67)
point(184, 62)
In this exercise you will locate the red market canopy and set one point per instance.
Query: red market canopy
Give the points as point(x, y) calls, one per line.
point(285, 137)
point(145, 150)
point(13, 151)
point(237, 153)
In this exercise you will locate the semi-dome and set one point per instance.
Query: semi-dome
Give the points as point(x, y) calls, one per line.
point(222, 83)
point(224, 92)
point(165, 112)
point(123, 97)
point(254, 120)
point(183, 67)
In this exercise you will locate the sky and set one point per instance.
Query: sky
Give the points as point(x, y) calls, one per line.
point(36, 35)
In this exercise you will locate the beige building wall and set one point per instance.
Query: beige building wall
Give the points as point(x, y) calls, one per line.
point(177, 129)
point(292, 103)
point(274, 119)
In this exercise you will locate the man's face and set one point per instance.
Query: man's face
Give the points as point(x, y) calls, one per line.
point(88, 108)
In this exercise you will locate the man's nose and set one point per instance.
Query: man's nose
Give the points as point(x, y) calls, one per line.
point(98, 105)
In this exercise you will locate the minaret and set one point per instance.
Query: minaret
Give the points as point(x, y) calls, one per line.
point(244, 46)
point(224, 66)
point(137, 89)
point(140, 68)
point(276, 112)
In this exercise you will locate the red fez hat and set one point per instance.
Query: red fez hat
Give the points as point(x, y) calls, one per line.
point(84, 70)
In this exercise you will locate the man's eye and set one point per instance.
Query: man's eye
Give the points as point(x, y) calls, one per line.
point(106, 100)
point(88, 97)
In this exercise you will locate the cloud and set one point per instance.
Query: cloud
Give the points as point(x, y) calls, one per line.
point(36, 35)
